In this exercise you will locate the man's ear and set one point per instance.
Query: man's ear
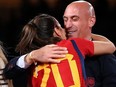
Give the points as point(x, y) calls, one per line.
point(92, 21)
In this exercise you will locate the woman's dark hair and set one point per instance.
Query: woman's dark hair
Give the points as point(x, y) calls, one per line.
point(37, 33)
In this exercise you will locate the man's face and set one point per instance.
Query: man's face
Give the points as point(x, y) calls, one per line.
point(76, 22)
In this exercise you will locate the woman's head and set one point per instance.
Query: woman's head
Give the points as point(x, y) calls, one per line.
point(40, 31)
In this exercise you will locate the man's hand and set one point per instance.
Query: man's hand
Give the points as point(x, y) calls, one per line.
point(47, 54)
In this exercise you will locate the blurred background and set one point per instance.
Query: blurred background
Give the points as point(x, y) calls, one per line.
point(14, 14)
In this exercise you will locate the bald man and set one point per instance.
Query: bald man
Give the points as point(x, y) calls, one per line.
point(79, 18)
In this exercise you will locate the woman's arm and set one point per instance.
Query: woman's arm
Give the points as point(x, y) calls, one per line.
point(102, 45)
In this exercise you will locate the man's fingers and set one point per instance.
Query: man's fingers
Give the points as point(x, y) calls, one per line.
point(57, 51)
point(54, 60)
point(58, 56)
point(50, 53)
point(52, 45)
point(56, 47)
point(59, 48)
point(60, 52)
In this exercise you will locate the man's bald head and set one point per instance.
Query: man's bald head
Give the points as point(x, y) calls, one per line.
point(79, 18)
point(83, 6)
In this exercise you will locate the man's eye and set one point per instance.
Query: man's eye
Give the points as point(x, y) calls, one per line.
point(75, 19)
point(65, 19)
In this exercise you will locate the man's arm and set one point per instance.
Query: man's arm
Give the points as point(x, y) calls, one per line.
point(45, 54)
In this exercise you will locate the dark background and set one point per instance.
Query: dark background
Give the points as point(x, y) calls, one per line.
point(14, 14)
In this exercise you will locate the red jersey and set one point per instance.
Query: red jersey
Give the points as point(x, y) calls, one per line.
point(68, 73)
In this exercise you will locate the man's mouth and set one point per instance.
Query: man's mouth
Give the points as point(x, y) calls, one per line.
point(70, 32)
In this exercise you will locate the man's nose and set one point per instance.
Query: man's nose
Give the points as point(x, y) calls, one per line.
point(68, 24)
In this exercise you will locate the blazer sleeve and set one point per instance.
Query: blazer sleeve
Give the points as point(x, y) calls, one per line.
point(12, 70)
